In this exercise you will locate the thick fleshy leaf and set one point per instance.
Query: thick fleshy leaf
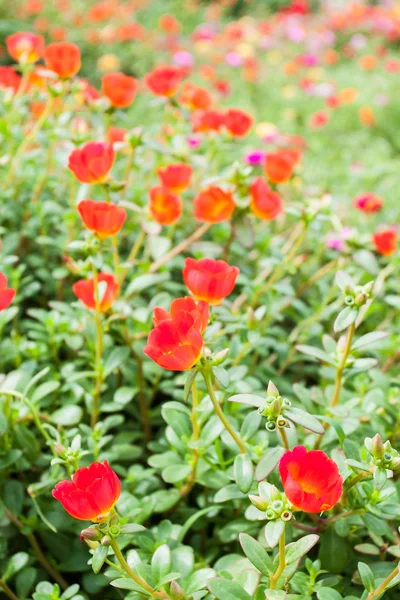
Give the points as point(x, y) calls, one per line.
point(268, 462)
point(301, 417)
point(223, 589)
point(249, 399)
point(256, 554)
point(298, 549)
point(273, 532)
point(243, 472)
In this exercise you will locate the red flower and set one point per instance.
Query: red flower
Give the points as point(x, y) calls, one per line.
point(237, 122)
point(107, 290)
point(279, 165)
point(368, 203)
point(64, 58)
point(92, 162)
point(104, 218)
point(164, 81)
point(200, 311)
point(311, 480)
point(319, 119)
point(91, 494)
point(120, 89)
point(175, 343)
point(265, 203)
point(214, 205)
point(25, 47)
point(164, 206)
point(209, 279)
point(7, 295)
point(207, 120)
point(176, 177)
point(116, 134)
point(385, 241)
point(9, 78)
point(196, 97)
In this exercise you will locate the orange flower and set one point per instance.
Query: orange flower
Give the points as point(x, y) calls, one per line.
point(164, 81)
point(9, 78)
point(368, 203)
point(120, 89)
point(103, 218)
point(196, 97)
point(368, 62)
point(107, 291)
point(265, 203)
point(176, 177)
point(169, 24)
point(92, 162)
point(200, 311)
point(385, 241)
point(347, 95)
point(130, 31)
point(164, 206)
point(237, 122)
point(207, 120)
point(366, 116)
point(25, 47)
point(279, 165)
point(64, 58)
point(214, 205)
point(209, 279)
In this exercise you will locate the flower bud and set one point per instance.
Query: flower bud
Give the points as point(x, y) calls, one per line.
point(270, 426)
point(59, 448)
point(286, 515)
point(377, 448)
point(90, 533)
point(395, 464)
point(105, 541)
point(220, 356)
point(270, 514)
point(258, 502)
point(272, 390)
point(176, 592)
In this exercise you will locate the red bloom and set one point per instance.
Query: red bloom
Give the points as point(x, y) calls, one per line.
point(385, 241)
point(116, 134)
point(214, 205)
point(237, 122)
point(64, 58)
point(311, 480)
point(91, 494)
point(209, 279)
point(7, 295)
point(92, 162)
point(169, 24)
point(319, 119)
point(175, 343)
point(368, 203)
point(164, 81)
point(279, 165)
point(265, 203)
point(107, 290)
point(196, 97)
point(25, 47)
point(9, 78)
point(207, 120)
point(176, 177)
point(120, 89)
point(164, 206)
point(200, 311)
point(104, 218)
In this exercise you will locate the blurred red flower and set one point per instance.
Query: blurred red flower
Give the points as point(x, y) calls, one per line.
point(385, 241)
point(176, 176)
point(25, 47)
point(279, 165)
point(311, 480)
point(169, 24)
point(103, 218)
point(164, 81)
point(207, 120)
point(164, 206)
point(265, 202)
point(116, 134)
point(209, 279)
point(200, 311)
point(91, 494)
point(120, 89)
point(64, 58)
point(9, 78)
point(196, 97)
point(368, 203)
point(214, 205)
point(237, 122)
point(92, 162)
point(107, 290)
point(7, 295)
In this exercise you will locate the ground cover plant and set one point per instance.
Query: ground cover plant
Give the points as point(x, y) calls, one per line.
point(199, 296)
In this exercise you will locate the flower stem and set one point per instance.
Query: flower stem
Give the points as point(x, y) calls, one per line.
point(7, 590)
point(184, 245)
point(282, 563)
point(382, 587)
point(208, 379)
point(132, 255)
point(136, 578)
point(284, 438)
point(99, 353)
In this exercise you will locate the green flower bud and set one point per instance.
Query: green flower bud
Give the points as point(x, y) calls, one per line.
point(270, 514)
point(270, 426)
point(377, 447)
point(105, 541)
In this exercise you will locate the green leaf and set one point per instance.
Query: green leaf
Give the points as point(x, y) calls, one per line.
point(250, 425)
point(13, 496)
point(142, 282)
point(243, 472)
point(44, 390)
point(222, 376)
point(367, 576)
point(161, 563)
point(316, 353)
point(370, 549)
point(256, 554)
point(343, 280)
point(115, 359)
point(99, 556)
point(273, 532)
point(345, 318)
point(124, 583)
point(268, 462)
point(301, 417)
point(68, 415)
point(369, 339)
point(17, 562)
point(229, 492)
point(176, 473)
point(249, 399)
point(328, 594)
point(188, 384)
point(297, 550)
point(380, 477)
point(223, 589)
point(3, 423)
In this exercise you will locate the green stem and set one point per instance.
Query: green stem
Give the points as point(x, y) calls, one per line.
point(282, 563)
point(382, 587)
point(284, 438)
point(132, 255)
point(99, 353)
point(187, 488)
point(208, 379)
point(7, 590)
point(136, 578)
